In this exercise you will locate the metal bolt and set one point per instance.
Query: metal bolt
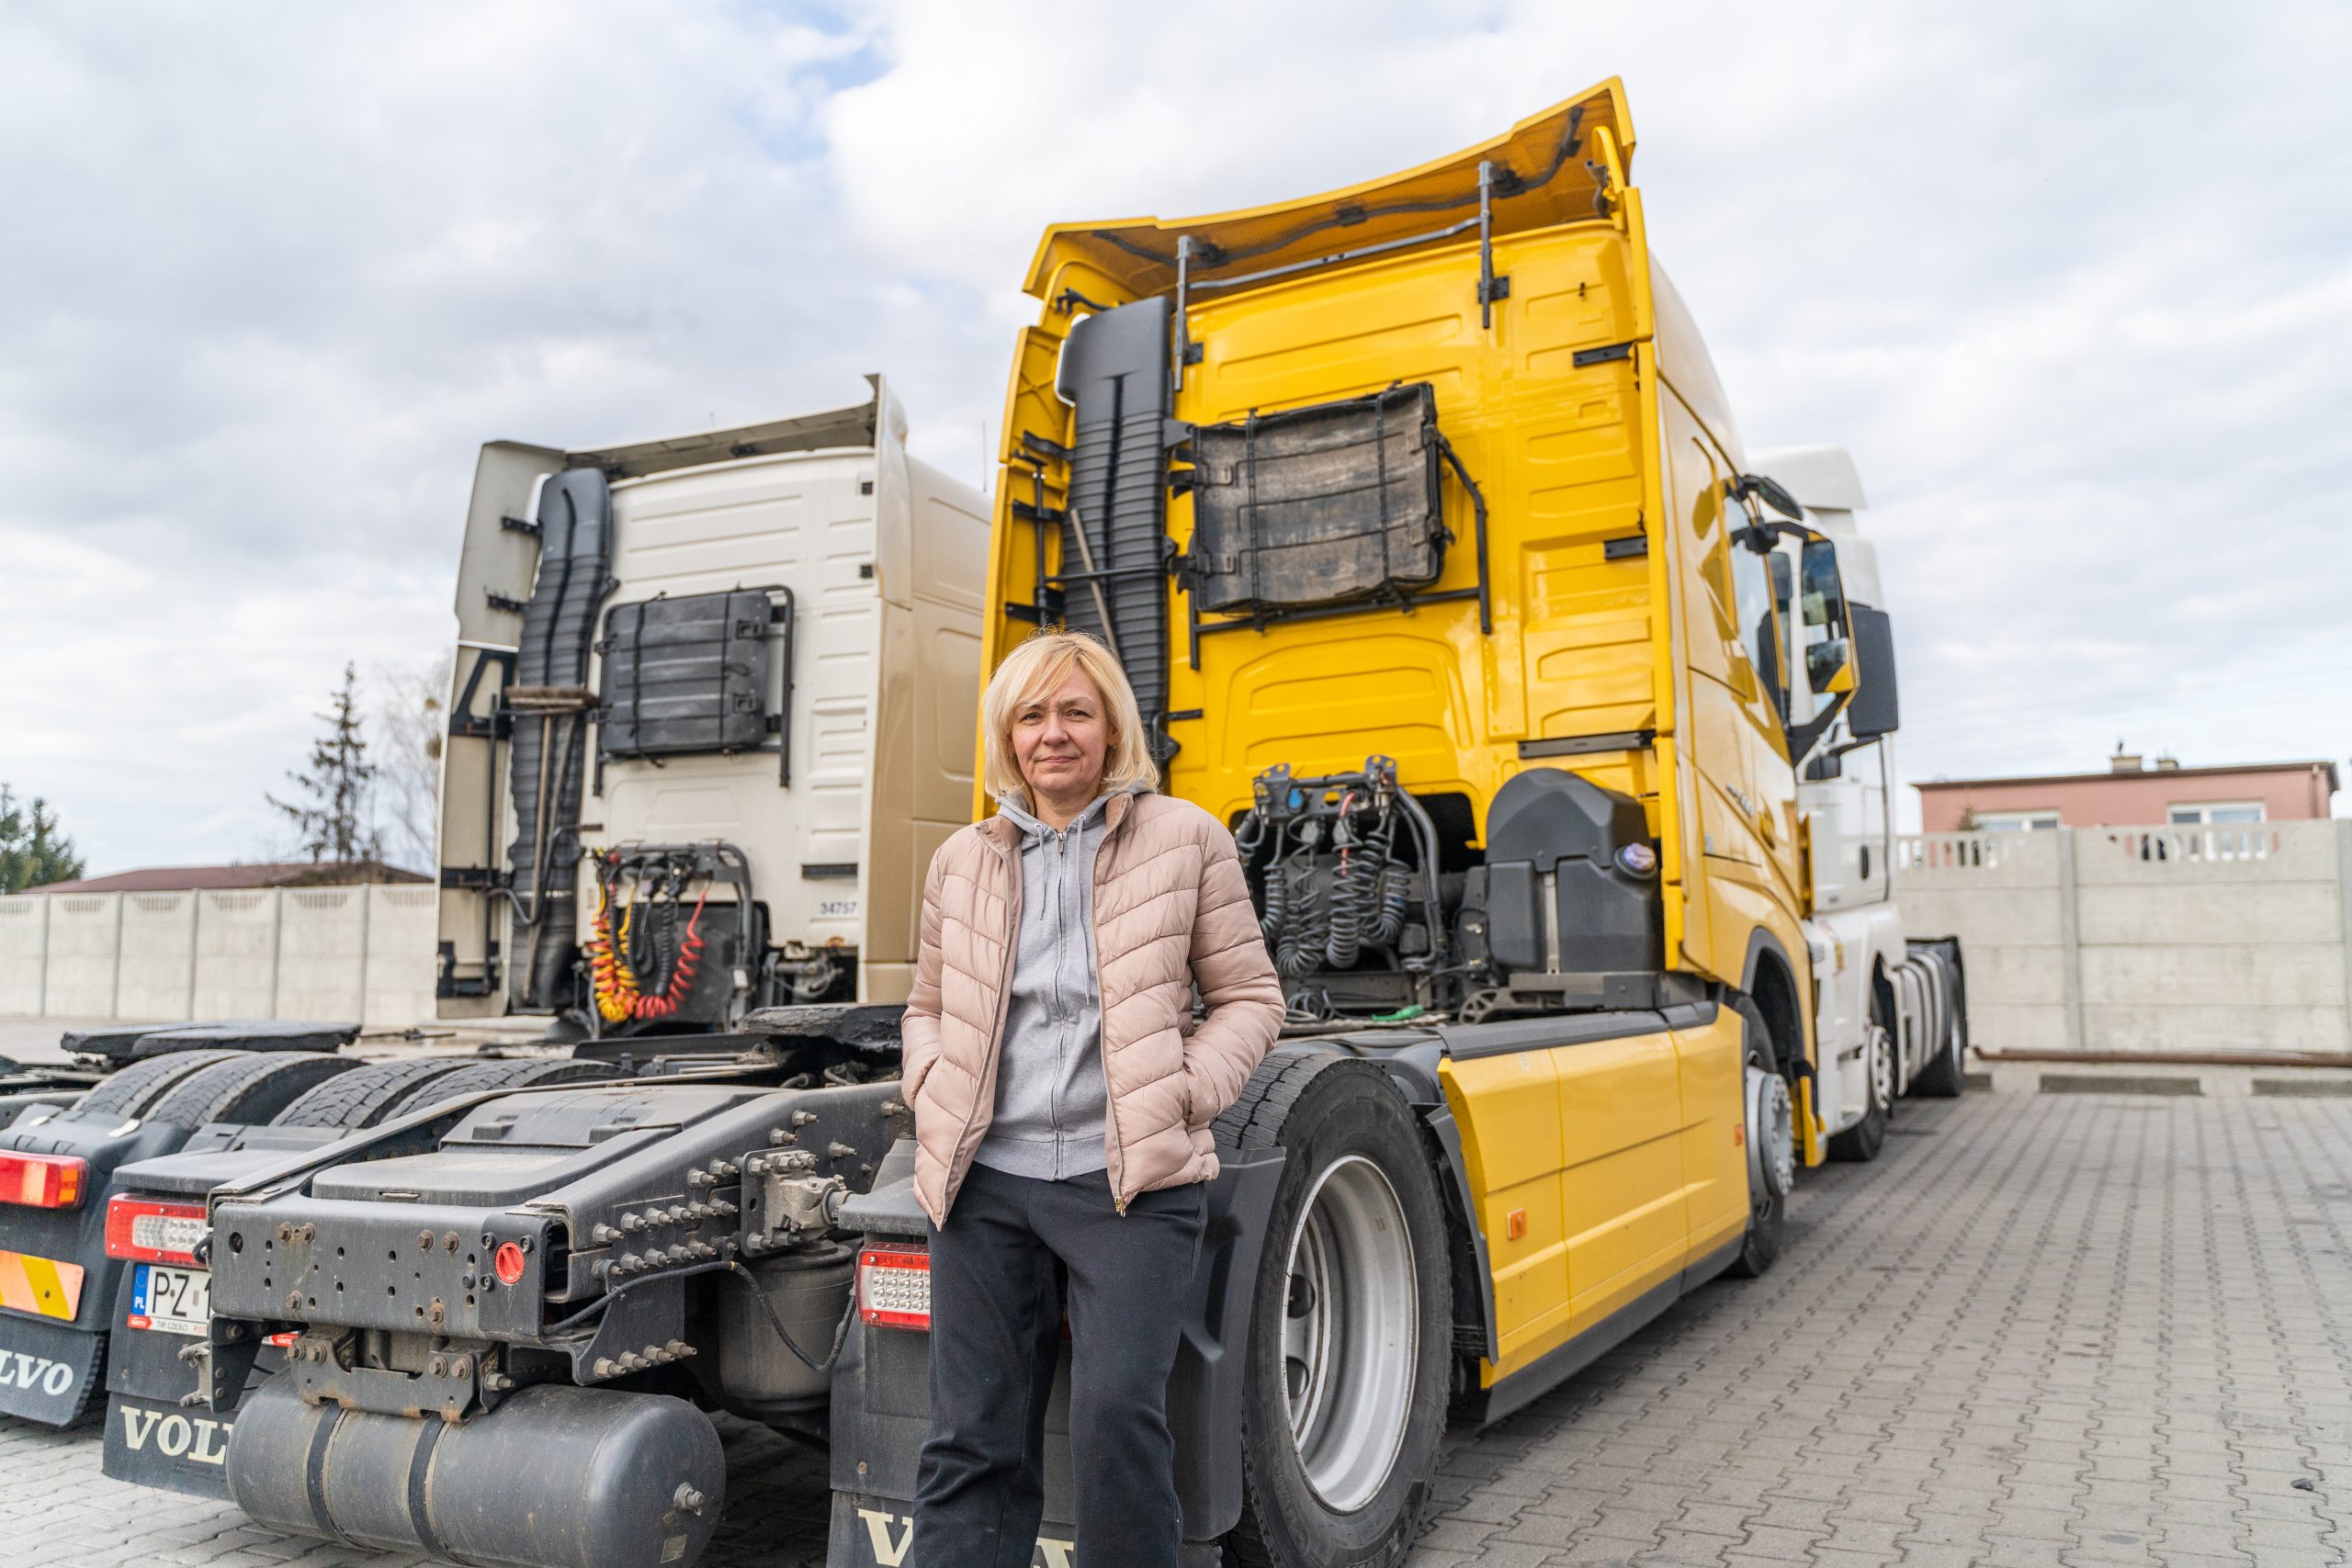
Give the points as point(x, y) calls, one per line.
point(689, 1499)
point(293, 1301)
point(839, 1151)
point(802, 1118)
point(306, 1233)
point(602, 1235)
point(436, 1314)
point(698, 1179)
point(285, 1230)
point(605, 1367)
point(724, 1169)
point(449, 1243)
point(632, 1221)
point(425, 1241)
point(438, 1366)
point(463, 1367)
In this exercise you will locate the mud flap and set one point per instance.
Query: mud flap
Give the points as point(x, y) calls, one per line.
point(153, 1442)
point(878, 1532)
point(881, 1403)
point(48, 1371)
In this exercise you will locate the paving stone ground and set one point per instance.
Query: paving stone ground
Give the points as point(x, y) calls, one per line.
point(2042, 1329)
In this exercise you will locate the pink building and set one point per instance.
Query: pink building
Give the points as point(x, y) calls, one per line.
point(2130, 793)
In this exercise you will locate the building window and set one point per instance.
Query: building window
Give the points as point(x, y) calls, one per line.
point(2016, 821)
point(2215, 813)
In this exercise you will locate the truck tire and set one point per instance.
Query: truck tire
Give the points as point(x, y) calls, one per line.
point(131, 1091)
point(247, 1089)
point(530, 1073)
point(363, 1097)
point(1946, 1076)
point(1862, 1141)
point(1351, 1327)
point(1770, 1140)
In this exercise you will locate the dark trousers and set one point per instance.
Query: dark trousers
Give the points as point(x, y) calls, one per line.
point(995, 1338)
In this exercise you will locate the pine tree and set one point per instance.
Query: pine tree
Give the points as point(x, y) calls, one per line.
point(333, 825)
point(33, 853)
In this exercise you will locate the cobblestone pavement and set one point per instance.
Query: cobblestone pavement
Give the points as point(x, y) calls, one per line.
point(2052, 1329)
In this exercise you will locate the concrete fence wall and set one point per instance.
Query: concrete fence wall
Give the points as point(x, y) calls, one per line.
point(328, 953)
point(2144, 939)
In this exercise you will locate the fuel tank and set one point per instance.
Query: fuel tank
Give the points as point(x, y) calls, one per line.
point(554, 1477)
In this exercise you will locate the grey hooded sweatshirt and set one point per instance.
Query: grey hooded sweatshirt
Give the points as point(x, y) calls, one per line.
point(1050, 1100)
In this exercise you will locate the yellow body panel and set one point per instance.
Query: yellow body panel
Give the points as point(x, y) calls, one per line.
point(1591, 418)
point(1621, 1162)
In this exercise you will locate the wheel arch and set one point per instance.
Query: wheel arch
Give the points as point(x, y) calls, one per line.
point(1768, 977)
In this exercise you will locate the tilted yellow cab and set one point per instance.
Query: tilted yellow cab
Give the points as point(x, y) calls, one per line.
point(1418, 516)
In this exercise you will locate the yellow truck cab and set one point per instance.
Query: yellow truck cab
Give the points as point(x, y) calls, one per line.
point(1417, 515)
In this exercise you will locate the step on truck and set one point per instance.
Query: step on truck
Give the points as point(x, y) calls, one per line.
point(1418, 520)
point(1892, 1014)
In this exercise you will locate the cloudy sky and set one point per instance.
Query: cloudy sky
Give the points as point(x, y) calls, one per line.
point(2073, 281)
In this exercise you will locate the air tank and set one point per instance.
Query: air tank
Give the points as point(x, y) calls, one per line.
point(554, 1477)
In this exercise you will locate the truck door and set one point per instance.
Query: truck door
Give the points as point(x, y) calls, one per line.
point(1723, 856)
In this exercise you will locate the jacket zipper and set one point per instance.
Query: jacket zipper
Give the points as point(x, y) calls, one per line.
point(1102, 1041)
point(996, 1035)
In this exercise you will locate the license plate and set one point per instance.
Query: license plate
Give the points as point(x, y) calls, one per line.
point(176, 1301)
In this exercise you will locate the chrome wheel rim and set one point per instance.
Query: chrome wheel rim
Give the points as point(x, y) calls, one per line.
point(1882, 1069)
point(1771, 1133)
point(1351, 1327)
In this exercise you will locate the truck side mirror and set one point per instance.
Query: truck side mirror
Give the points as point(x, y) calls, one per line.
point(1875, 711)
point(1828, 664)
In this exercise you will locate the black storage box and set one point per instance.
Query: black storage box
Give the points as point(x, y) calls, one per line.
point(1317, 505)
point(688, 674)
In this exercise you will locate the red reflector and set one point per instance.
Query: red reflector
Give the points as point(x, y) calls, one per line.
point(282, 1341)
point(894, 1288)
point(145, 1231)
point(42, 1181)
point(508, 1261)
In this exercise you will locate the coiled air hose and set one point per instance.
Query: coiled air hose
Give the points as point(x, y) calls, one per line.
point(611, 979)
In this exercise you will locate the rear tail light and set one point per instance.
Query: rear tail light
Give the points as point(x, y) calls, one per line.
point(145, 1231)
point(894, 1288)
point(42, 1181)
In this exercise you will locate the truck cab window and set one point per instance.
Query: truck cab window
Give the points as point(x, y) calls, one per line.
point(1761, 622)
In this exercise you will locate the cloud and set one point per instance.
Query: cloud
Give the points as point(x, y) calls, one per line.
point(2071, 282)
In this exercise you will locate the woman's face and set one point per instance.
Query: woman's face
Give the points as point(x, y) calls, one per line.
point(1061, 737)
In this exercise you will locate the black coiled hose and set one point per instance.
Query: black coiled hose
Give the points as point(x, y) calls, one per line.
point(1277, 915)
point(1396, 895)
point(1300, 950)
point(1353, 890)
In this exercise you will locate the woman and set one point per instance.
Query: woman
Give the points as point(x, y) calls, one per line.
point(1062, 1095)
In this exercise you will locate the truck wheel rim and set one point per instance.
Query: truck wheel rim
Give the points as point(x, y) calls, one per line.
point(1772, 1131)
point(1351, 1328)
point(1882, 1069)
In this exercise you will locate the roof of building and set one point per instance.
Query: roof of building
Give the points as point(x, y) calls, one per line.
point(260, 874)
point(2109, 775)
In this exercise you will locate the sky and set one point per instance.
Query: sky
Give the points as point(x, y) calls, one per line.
point(2072, 282)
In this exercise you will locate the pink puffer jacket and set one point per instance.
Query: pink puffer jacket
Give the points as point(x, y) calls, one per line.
point(1170, 911)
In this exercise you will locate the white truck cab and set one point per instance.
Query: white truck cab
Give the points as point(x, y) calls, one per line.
point(1890, 1009)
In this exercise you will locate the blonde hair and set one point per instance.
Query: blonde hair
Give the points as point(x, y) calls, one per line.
point(1038, 666)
